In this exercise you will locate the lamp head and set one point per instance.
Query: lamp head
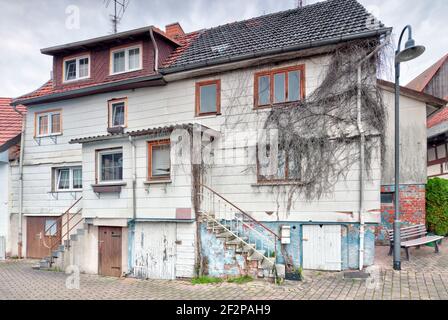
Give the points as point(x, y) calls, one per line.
point(410, 52)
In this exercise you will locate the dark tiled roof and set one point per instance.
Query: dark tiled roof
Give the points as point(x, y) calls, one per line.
point(321, 21)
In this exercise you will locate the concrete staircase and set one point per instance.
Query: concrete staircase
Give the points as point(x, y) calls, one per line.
point(238, 230)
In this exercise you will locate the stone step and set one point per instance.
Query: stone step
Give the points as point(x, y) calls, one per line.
point(248, 247)
point(44, 264)
point(236, 241)
point(266, 263)
point(256, 255)
point(225, 234)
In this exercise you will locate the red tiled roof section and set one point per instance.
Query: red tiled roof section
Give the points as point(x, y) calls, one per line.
point(439, 117)
point(185, 42)
point(425, 77)
point(10, 121)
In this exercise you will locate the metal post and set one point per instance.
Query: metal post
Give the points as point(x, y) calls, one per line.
point(397, 222)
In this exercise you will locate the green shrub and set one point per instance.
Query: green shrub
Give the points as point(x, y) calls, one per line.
point(437, 206)
point(240, 280)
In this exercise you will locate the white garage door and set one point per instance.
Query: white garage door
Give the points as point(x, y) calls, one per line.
point(155, 250)
point(322, 247)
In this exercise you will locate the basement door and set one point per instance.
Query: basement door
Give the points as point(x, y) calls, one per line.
point(155, 250)
point(109, 251)
point(322, 247)
point(40, 233)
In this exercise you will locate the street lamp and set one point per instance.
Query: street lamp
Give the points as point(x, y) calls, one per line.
point(411, 51)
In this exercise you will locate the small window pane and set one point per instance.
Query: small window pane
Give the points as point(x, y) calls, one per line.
point(84, 67)
point(118, 114)
point(264, 84)
point(77, 178)
point(119, 61)
point(70, 70)
point(51, 227)
point(293, 167)
point(279, 88)
point(134, 59)
point(293, 86)
point(64, 179)
point(281, 173)
point(208, 98)
point(112, 167)
point(55, 123)
point(387, 197)
point(441, 152)
point(160, 161)
point(431, 154)
point(43, 125)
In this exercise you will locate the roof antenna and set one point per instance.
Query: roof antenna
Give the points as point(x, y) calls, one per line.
point(120, 7)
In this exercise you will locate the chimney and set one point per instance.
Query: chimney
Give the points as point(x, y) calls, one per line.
point(174, 30)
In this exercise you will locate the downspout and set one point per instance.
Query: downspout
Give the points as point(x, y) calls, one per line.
point(362, 139)
point(156, 51)
point(131, 224)
point(22, 147)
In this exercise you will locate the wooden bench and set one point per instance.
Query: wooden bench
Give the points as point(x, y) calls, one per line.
point(413, 236)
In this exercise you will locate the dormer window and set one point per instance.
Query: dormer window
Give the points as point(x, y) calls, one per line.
point(76, 68)
point(126, 59)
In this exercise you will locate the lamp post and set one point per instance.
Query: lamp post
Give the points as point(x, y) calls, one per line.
point(411, 51)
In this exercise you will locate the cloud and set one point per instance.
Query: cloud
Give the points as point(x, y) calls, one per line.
point(27, 26)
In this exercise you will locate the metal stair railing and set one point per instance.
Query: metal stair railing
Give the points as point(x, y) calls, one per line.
point(239, 223)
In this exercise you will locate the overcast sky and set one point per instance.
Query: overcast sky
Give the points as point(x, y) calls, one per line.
point(26, 26)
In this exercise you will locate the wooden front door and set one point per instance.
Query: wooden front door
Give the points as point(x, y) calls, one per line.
point(41, 232)
point(109, 251)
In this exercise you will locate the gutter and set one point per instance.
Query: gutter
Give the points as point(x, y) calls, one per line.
point(22, 148)
point(362, 150)
point(258, 54)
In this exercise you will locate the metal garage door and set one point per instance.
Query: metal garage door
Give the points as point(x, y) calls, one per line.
point(322, 247)
point(155, 250)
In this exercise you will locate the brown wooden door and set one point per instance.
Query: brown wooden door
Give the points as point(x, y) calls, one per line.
point(37, 240)
point(109, 251)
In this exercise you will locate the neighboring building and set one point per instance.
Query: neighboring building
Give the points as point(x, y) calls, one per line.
point(101, 137)
point(414, 107)
point(10, 133)
point(434, 81)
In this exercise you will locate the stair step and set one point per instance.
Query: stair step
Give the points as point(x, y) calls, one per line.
point(225, 234)
point(44, 264)
point(267, 263)
point(248, 247)
point(236, 241)
point(73, 237)
point(256, 255)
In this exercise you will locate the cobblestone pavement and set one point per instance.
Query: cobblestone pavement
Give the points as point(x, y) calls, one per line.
point(424, 277)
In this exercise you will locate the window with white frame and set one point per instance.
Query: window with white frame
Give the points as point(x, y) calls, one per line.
point(76, 68)
point(48, 123)
point(110, 164)
point(68, 179)
point(127, 59)
point(117, 113)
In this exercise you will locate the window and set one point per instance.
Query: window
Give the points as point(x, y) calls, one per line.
point(387, 198)
point(117, 113)
point(48, 123)
point(76, 68)
point(286, 168)
point(437, 154)
point(125, 60)
point(110, 163)
point(208, 97)
point(68, 179)
point(279, 86)
point(159, 163)
point(51, 227)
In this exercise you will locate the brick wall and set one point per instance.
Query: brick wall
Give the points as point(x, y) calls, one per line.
point(412, 208)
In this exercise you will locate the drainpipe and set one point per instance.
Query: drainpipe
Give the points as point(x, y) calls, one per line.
point(362, 152)
point(156, 51)
point(22, 148)
point(131, 224)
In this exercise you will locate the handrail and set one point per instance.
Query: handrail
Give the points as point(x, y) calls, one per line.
point(62, 227)
point(68, 232)
point(240, 210)
point(60, 217)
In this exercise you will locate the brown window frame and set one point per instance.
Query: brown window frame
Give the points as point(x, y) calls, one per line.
point(151, 144)
point(198, 97)
point(49, 121)
point(263, 179)
point(271, 74)
point(110, 103)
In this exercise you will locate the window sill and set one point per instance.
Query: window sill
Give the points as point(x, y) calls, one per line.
point(276, 183)
point(158, 181)
point(65, 191)
point(208, 115)
point(48, 135)
point(112, 187)
point(123, 72)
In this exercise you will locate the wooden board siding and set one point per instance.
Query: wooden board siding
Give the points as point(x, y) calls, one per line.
point(36, 239)
point(438, 86)
point(109, 251)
